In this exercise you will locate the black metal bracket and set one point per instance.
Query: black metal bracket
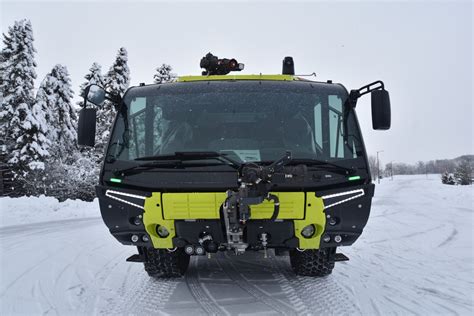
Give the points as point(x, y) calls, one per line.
point(135, 258)
point(340, 257)
point(356, 94)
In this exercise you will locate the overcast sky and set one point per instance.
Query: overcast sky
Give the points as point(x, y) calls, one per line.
point(422, 51)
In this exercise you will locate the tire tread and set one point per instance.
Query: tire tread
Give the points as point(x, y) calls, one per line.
point(161, 263)
point(313, 262)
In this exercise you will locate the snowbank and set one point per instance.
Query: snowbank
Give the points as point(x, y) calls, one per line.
point(27, 210)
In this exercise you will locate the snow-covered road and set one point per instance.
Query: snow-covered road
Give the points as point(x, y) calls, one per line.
point(415, 257)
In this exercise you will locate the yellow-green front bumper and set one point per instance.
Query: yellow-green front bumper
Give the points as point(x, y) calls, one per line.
point(162, 209)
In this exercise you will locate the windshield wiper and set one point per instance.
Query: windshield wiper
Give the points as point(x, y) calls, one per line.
point(170, 164)
point(323, 163)
point(193, 155)
point(177, 159)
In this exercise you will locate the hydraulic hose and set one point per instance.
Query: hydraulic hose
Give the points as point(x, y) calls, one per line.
point(276, 203)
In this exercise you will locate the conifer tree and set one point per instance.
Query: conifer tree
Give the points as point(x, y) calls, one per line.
point(64, 114)
point(117, 79)
point(463, 173)
point(164, 74)
point(22, 124)
point(116, 82)
point(445, 177)
point(54, 99)
point(93, 77)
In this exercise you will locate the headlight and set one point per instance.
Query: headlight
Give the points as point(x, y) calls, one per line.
point(308, 231)
point(162, 231)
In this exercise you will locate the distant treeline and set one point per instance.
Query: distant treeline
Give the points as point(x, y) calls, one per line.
point(438, 166)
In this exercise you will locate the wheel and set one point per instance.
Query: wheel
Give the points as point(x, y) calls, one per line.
point(313, 262)
point(162, 263)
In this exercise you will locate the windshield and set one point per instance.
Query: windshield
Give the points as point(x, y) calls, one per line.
point(249, 121)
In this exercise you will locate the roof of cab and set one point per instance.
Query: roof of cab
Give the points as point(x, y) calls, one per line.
point(238, 77)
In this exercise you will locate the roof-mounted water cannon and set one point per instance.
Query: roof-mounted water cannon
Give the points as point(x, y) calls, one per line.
point(215, 66)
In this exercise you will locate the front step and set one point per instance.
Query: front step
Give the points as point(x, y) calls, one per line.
point(135, 258)
point(340, 257)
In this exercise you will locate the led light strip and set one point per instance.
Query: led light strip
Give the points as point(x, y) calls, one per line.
point(109, 193)
point(359, 191)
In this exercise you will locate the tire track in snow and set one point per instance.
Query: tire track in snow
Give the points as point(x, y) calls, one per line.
point(282, 275)
point(251, 288)
point(417, 233)
point(201, 296)
point(450, 238)
point(401, 306)
point(144, 296)
point(33, 228)
point(36, 265)
point(321, 296)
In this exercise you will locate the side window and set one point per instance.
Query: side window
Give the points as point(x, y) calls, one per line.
point(160, 125)
point(145, 117)
point(137, 116)
point(335, 127)
point(318, 126)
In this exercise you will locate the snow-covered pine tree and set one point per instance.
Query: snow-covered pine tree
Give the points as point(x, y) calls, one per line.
point(463, 173)
point(164, 74)
point(117, 79)
point(22, 125)
point(54, 98)
point(116, 82)
point(445, 177)
point(93, 77)
point(64, 114)
point(86, 167)
point(451, 180)
point(2, 60)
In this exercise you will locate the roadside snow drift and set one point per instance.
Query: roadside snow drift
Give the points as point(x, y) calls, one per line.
point(414, 258)
point(28, 210)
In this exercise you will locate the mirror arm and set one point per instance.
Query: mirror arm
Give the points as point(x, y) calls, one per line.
point(354, 95)
point(114, 98)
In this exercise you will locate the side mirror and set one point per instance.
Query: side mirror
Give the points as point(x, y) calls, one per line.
point(381, 116)
point(86, 128)
point(94, 94)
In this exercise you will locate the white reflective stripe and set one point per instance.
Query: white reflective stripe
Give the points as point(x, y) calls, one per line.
point(359, 192)
point(109, 193)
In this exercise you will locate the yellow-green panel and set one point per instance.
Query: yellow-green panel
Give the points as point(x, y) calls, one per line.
point(291, 207)
point(192, 205)
point(152, 217)
point(207, 205)
point(314, 215)
point(175, 205)
point(237, 77)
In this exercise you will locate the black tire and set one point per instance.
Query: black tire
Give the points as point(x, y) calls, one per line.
point(161, 263)
point(313, 262)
